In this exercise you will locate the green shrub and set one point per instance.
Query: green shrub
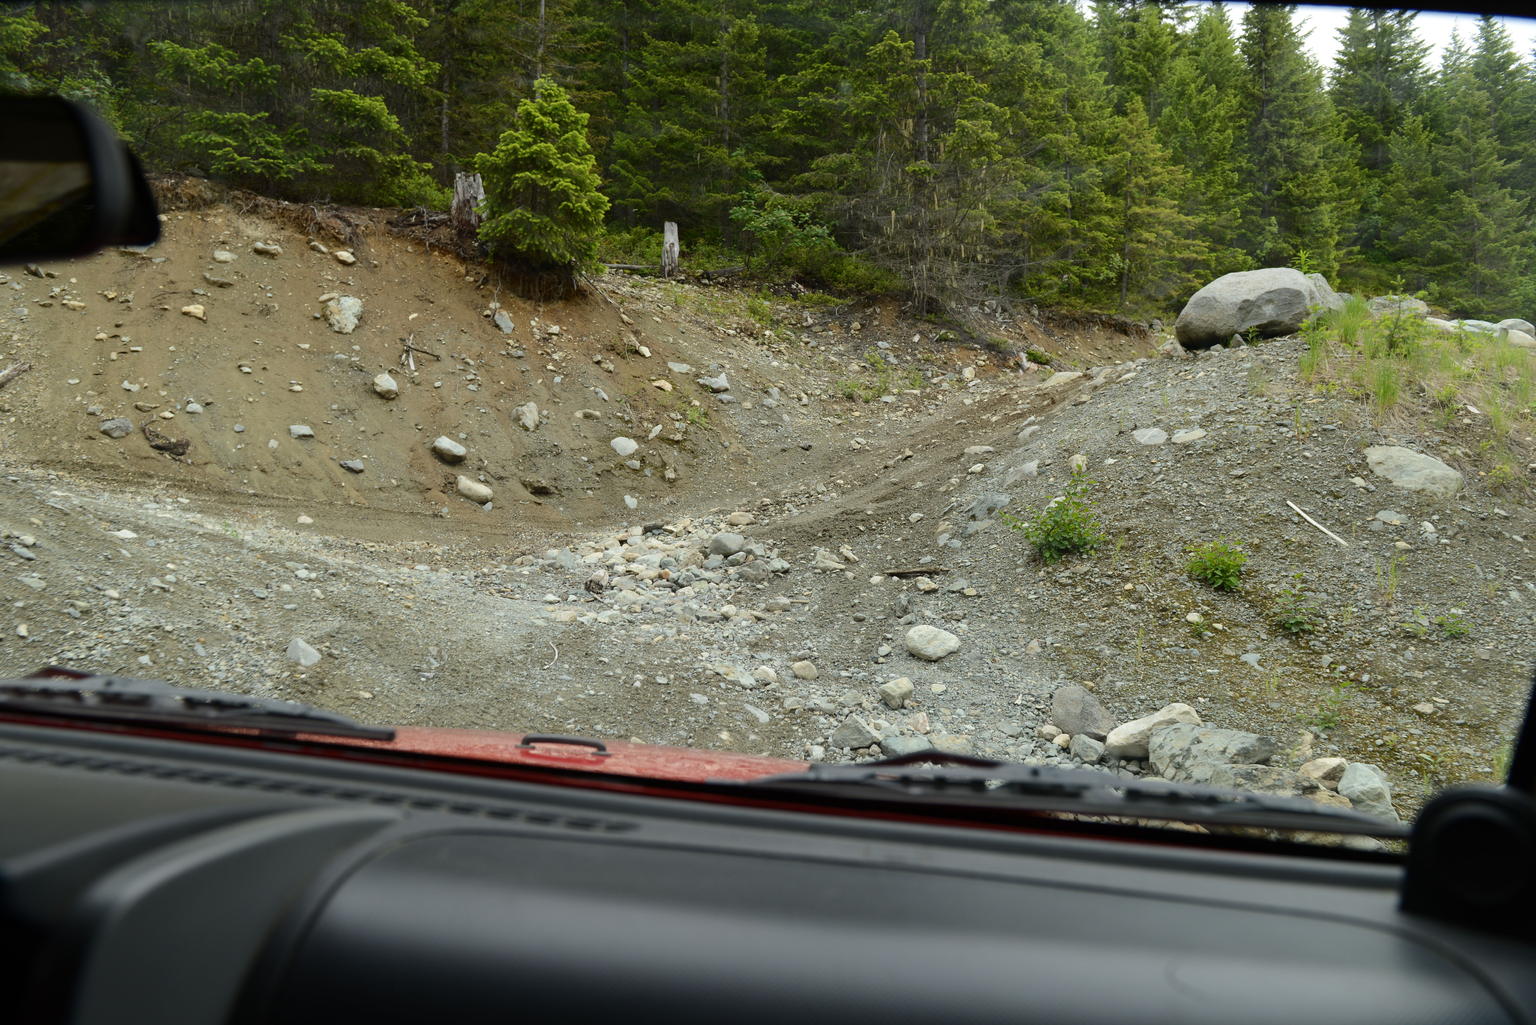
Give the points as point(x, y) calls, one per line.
point(1045, 359)
point(1294, 612)
point(1217, 564)
point(1067, 526)
point(542, 209)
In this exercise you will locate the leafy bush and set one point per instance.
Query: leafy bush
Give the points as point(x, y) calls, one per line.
point(1294, 612)
point(1217, 564)
point(1067, 526)
point(542, 207)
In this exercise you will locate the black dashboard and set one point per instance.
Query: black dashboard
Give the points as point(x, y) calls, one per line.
point(160, 881)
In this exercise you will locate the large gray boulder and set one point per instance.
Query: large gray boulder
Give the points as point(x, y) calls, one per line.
point(1413, 470)
point(1191, 754)
point(1129, 740)
point(1516, 324)
point(1367, 788)
point(1324, 295)
point(1272, 301)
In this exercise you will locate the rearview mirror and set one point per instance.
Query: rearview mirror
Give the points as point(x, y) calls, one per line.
point(68, 185)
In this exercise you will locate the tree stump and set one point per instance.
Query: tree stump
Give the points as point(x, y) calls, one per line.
point(468, 194)
point(669, 249)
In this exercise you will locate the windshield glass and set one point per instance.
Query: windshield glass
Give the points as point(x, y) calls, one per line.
point(1140, 386)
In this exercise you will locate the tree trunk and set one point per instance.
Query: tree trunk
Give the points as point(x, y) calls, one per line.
point(669, 249)
point(468, 194)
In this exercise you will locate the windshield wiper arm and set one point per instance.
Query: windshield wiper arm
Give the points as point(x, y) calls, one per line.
point(949, 778)
point(71, 694)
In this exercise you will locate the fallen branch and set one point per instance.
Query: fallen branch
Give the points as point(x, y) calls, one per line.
point(1342, 543)
point(639, 268)
point(723, 272)
point(12, 372)
point(556, 658)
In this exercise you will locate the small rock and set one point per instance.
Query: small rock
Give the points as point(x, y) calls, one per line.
point(765, 674)
point(853, 733)
point(195, 310)
point(896, 692)
point(1062, 740)
point(716, 384)
point(300, 431)
point(386, 387)
point(895, 747)
point(1078, 463)
point(193, 408)
point(353, 465)
point(300, 652)
point(1326, 771)
point(805, 670)
point(1150, 436)
point(344, 257)
point(117, 427)
point(825, 560)
point(528, 415)
point(473, 490)
point(448, 450)
point(503, 322)
point(931, 643)
point(1413, 470)
point(740, 519)
point(1188, 437)
point(726, 544)
point(1188, 754)
point(267, 249)
point(1076, 711)
point(343, 313)
point(1367, 788)
point(1085, 749)
point(625, 447)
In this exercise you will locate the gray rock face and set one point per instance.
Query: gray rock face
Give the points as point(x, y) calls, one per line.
point(853, 733)
point(716, 384)
point(1076, 711)
point(300, 651)
point(1520, 338)
point(1272, 301)
point(1190, 754)
point(1413, 470)
point(117, 427)
point(1405, 305)
point(1327, 298)
point(1516, 324)
point(930, 643)
point(1264, 779)
point(1129, 740)
point(1085, 749)
point(895, 746)
point(726, 544)
point(503, 322)
point(343, 313)
point(1367, 788)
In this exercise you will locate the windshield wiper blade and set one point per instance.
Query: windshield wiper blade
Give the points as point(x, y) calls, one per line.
point(67, 693)
point(950, 778)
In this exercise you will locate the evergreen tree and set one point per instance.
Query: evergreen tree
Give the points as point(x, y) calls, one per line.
point(543, 211)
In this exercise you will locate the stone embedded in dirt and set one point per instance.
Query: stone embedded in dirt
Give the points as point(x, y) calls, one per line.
point(1397, 305)
point(117, 427)
point(448, 450)
point(1129, 740)
point(343, 312)
point(267, 249)
point(386, 386)
point(853, 733)
point(805, 670)
point(715, 384)
point(300, 431)
point(193, 408)
point(625, 447)
point(931, 643)
point(895, 692)
point(1076, 711)
point(765, 674)
point(1061, 378)
point(979, 450)
point(223, 256)
point(1326, 771)
point(1150, 436)
point(1189, 754)
point(318, 247)
point(1085, 749)
point(473, 490)
point(1391, 517)
point(740, 519)
point(1062, 740)
point(217, 281)
point(196, 311)
point(1413, 470)
point(826, 560)
point(726, 544)
point(353, 465)
point(528, 415)
point(300, 652)
point(502, 321)
point(1367, 788)
point(344, 257)
point(679, 368)
point(1188, 437)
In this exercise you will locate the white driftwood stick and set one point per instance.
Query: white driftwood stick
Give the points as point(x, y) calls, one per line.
point(1342, 543)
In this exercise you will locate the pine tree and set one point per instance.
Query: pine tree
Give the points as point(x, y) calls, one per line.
point(543, 211)
point(1155, 244)
point(1295, 147)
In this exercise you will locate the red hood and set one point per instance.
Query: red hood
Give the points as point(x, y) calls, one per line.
point(685, 764)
